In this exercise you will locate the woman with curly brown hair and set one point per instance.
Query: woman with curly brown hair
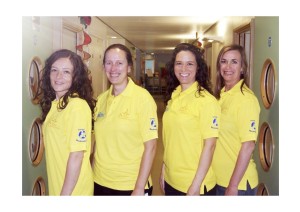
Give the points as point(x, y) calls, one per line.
point(190, 125)
point(67, 109)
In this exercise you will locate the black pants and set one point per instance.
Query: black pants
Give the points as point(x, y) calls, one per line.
point(170, 191)
point(104, 191)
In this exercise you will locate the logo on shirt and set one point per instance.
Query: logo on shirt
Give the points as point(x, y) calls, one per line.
point(252, 126)
point(52, 122)
point(215, 124)
point(184, 109)
point(81, 136)
point(153, 125)
point(100, 115)
point(124, 115)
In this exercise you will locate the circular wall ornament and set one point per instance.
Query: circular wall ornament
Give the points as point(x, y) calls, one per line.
point(35, 144)
point(34, 79)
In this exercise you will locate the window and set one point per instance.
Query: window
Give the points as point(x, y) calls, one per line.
point(35, 144)
point(262, 190)
point(266, 146)
point(267, 83)
point(39, 187)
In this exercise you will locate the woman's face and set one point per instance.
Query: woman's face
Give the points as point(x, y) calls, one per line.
point(116, 67)
point(185, 68)
point(61, 76)
point(231, 67)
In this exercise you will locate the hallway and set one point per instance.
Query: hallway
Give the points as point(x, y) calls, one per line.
point(156, 168)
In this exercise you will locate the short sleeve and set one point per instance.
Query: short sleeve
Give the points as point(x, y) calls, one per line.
point(79, 122)
point(248, 120)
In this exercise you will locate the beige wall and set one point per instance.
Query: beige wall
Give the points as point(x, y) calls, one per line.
point(224, 30)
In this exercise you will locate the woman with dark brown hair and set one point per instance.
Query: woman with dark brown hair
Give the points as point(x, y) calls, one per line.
point(67, 109)
point(190, 125)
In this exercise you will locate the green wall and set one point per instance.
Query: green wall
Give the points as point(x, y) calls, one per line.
point(266, 27)
point(36, 42)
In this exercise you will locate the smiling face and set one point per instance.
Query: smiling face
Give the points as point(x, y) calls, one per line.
point(116, 67)
point(61, 76)
point(185, 68)
point(230, 68)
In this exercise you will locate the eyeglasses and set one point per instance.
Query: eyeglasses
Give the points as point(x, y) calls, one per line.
point(231, 62)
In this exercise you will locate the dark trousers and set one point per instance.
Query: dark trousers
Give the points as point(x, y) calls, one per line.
point(104, 191)
point(220, 191)
point(170, 191)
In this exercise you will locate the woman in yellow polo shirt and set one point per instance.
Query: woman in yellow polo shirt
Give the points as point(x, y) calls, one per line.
point(190, 125)
point(125, 130)
point(67, 110)
point(233, 164)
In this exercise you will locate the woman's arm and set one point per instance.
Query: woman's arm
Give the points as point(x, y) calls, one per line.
point(162, 178)
point(72, 172)
point(204, 164)
point(145, 167)
point(240, 167)
point(93, 147)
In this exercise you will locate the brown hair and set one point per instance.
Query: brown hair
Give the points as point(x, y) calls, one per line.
point(244, 74)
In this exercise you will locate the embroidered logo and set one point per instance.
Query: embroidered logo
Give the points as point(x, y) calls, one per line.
point(153, 125)
point(52, 122)
point(100, 115)
point(252, 126)
point(124, 115)
point(183, 109)
point(81, 136)
point(215, 124)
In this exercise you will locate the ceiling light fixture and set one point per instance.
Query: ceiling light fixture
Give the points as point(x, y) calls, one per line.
point(213, 39)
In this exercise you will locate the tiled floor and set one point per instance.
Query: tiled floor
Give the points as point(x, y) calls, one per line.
point(156, 168)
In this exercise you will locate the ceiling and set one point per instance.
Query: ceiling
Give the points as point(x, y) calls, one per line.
point(157, 34)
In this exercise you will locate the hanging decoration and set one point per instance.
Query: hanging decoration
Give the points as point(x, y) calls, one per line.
point(85, 20)
point(83, 39)
point(199, 44)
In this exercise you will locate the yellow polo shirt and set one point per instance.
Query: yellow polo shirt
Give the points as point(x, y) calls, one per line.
point(240, 121)
point(66, 131)
point(122, 125)
point(187, 121)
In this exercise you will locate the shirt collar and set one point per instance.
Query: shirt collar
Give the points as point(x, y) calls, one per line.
point(128, 91)
point(234, 89)
point(192, 88)
point(61, 99)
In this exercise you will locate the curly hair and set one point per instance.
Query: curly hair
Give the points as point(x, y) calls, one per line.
point(244, 75)
point(81, 85)
point(202, 74)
